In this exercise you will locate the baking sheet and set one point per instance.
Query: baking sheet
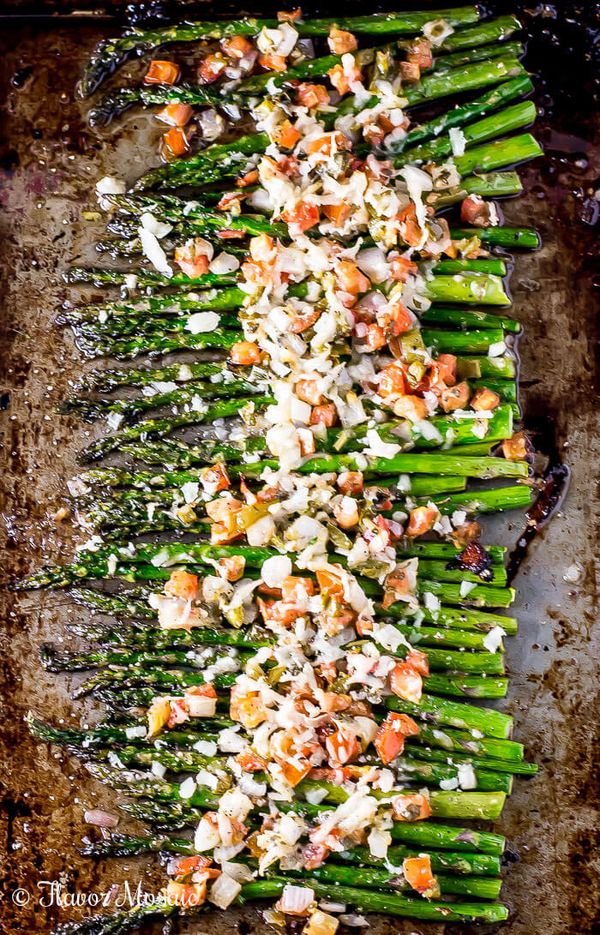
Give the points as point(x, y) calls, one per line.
point(49, 161)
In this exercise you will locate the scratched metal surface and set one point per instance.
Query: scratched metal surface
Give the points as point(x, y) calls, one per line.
point(48, 163)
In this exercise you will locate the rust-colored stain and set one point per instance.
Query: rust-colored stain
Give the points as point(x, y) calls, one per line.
point(48, 163)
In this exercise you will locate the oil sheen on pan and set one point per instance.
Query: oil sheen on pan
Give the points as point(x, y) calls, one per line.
point(333, 511)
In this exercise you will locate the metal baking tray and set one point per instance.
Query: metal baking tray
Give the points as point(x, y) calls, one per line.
point(49, 161)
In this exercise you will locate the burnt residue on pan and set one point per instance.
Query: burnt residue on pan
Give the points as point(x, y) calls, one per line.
point(48, 161)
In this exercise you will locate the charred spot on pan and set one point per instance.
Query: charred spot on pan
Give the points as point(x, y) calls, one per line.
point(475, 559)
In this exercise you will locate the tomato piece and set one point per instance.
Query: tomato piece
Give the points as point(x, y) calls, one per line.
point(340, 41)
point(215, 478)
point(392, 380)
point(303, 215)
point(350, 483)
point(455, 397)
point(515, 448)
point(422, 519)
point(245, 353)
point(192, 257)
point(419, 53)
point(411, 807)
point(342, 78)
point(286, 135)
point(446, 364)
point(236, 47)
point(272, 62)
point(176, 115)
point(409, 226)
point(401, 268)
point(372, 338)
point(314, 855)
point(338, 214)
point(250, 761)
point(211, 68)
point(391, 735)
point(399, 319)
point(249, 178)
point(476, 212)
point(304, 320)
point(350, 279)
point(410, 72)
point(406, 683)
point(183, 866)
point(297, 590)
point(308, 391)
point(418, 661)
point(329, 583)
point(326, 415)
point(233, 567)
point(327, 144)
point(312, 95)
point(342, 747)
point(246, 707)
point(160, 72)
point(182, 584)
point(173, 144)
point(484, 400)
point(418, 874)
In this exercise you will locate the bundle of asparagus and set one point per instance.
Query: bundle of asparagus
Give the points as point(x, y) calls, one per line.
point(309, 611)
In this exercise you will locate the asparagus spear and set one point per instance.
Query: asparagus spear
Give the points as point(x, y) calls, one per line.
point(110, 54)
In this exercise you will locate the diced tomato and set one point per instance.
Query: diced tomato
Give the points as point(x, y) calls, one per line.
point(249, 178)
point(392, 380)
point(160, 72)
point(398, 319)
point(303, 215)
point(233, 567)
point(308, 391)
point(372, 339)
point(411, 807)
point(236, 47)
point(286, 135)
point(185, 895)
point(314, 855)
point(292, 16)
point(401, 268)
point(350, 483)
point(231, 234)
point(346, 512)
point(350, 279)
point(390, 737)
point(338, 214)
point(278, 612)
point(342, 747)
point(222, 507)
point(326, 415)
point(211, 68)
point(446, 364)
point(409, 226)
point(340, 41)
point(411, 407)
point(515, 448)
point(192, 257)
point(312, 95)
point(398, 584)
point(246, 707)
point(409, 72)
point(422, 519)
point(418, 874)
point(305, 319)
point(245, 353)
point(176, 115)
point(293, 761)
point(419, 53)
point(173, 144)
point(329, 583)
point(272, 62)
point(183, 866)
point(418, 660)
point(182, 584)
point(250, 761)
point(297, 590)
point(342, 78)
point(406, 683)
point(455, 397)
point(327, 144)
point(215, 477)
point(484, 400)
point(474, 210)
